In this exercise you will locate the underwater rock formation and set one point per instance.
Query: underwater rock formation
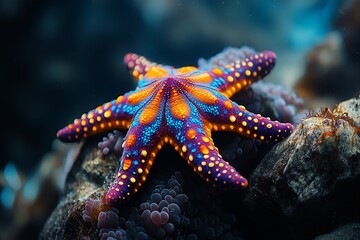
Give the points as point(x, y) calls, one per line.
point(350, 108)
point(85, 179)
point(312, 178)
point(166, 212)
point(302, 187)
point(307, 184)
point(348, 232)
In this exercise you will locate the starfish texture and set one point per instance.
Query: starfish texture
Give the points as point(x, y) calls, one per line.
point(179, 106)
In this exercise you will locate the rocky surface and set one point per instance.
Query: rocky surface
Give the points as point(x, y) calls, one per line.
point(351, 108)
point(303, 188)
point(311, 180)
point(85, 179)
point(202, 215)
point(348, 232)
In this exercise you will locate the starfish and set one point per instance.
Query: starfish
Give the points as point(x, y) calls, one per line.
point(180, 107)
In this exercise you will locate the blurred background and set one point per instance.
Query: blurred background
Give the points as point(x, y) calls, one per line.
point(59, 59)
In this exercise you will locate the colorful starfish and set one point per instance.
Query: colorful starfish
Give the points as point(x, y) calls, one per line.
point(180, 107)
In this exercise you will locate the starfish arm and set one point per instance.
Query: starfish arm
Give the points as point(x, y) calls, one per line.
point(224, 114)
point(240, 74)
point(116, 114)
point(238, 119)
point(139, 67)
point(191, 137)
point(142, 142)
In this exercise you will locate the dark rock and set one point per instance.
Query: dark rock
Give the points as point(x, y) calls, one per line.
point(351, 108)
point(89, 175)
point(311, 180)
point(348, 232)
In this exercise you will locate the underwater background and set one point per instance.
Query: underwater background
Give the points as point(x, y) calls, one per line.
point(62, 58)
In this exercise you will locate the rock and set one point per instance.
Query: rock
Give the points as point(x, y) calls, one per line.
point(351, 108)
point(348, 232)
point(93, 172)
point(311, 180)
point(325, 63)
point(90, 174)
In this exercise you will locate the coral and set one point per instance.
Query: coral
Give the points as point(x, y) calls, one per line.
point(108, 222)
point(108, 219)
point(92, 209)
point(168, 214)
point(211, 221)
point(112, 234)
point(237, 147)
point(226, 57)
point(163, 214)
point(112, 143)
point(285, 103)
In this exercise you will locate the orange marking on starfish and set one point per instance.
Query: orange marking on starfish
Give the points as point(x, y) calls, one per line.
point(203, 149)
point(138, 96)
point(186, 69)
point(178, 106)
point(217, 71)
point(200, 78)
point(202, 95)
point(205, 139)
point(190, 134)
point(156, 72)
point(228, 104)
point(151, 111)
point(130, 140)
point(126, 164)
point(118, 100)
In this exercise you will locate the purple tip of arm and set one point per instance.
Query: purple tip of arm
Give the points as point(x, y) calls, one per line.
point(129, 57)
point(61, 134)
point(268, 56)
point(68, 135)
